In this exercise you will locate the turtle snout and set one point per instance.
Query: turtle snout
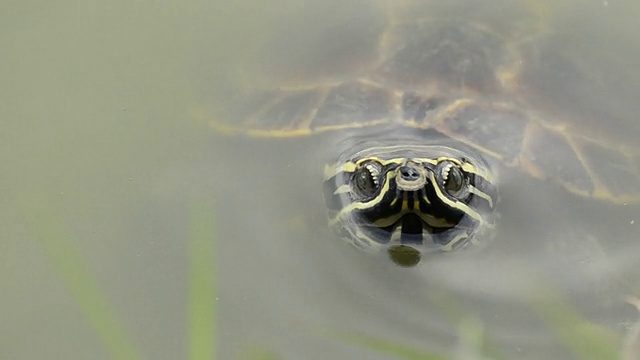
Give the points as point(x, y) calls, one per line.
point(409, 173)
point(411, 177)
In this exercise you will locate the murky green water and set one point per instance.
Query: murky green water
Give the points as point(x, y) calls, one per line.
point(107, 159)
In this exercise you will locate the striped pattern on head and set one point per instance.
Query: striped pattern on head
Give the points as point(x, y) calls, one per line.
point(425, 197)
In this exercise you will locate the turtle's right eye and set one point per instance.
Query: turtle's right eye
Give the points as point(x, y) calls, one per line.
point(454, 181)
point(366, 179)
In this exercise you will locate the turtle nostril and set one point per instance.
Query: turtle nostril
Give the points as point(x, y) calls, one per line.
point(409, 173)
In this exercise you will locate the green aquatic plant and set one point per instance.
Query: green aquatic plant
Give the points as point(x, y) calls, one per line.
point(583, 338)
point(70, 265)
point(83, 287)
point(202, 283)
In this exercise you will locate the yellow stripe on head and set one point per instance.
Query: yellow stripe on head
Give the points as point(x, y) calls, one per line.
point(482, 194)
point(454, 204)
point(356, 205)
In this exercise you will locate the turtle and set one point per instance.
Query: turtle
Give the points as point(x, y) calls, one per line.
point(428, 122)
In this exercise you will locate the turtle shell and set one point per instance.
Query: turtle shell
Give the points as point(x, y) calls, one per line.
point(504, 90)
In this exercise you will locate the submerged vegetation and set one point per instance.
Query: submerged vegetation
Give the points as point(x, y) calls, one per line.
point(584, 339)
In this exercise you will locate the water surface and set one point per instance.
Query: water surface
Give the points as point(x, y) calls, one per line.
point(105, 145)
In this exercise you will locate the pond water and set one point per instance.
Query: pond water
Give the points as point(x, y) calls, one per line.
point(107, 155)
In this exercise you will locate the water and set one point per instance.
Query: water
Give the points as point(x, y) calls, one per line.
point(105, 140)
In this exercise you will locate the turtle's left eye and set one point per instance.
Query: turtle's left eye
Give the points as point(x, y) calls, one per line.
point(454, 181)
point(366, 179)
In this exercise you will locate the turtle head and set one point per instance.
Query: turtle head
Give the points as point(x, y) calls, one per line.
point(410, 200)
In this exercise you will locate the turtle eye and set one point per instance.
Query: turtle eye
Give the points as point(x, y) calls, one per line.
point(367, 179)
point(454, 180)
